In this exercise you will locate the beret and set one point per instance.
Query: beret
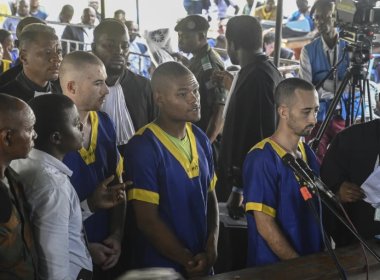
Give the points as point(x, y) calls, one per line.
point(192, 23)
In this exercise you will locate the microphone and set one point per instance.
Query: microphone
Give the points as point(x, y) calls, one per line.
point(317, 181)
point(289, 160)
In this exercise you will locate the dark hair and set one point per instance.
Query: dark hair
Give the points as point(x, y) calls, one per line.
point(119, 12)
point(286, 89)
point(9, 106)
point(50, 112)
point(4, 34)
point(171, 69)
point(269, 37)
point(245, 32)
point(32, 33)
point(320, 3)
point(108, 24)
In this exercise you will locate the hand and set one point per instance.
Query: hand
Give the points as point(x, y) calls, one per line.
point(235, 206)
point(350, 192)
point(99, 253)
point(222, 78)
point(105, 196)
point(199, 266)
point(112, 243)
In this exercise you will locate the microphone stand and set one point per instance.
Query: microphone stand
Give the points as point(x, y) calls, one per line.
point(312, 185)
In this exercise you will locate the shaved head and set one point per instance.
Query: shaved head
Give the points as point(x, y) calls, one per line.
point(11, 108)
point(167, 72)
point(75, 64)
point(286, 90)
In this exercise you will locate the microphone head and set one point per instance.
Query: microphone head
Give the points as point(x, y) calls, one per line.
point(288, 159)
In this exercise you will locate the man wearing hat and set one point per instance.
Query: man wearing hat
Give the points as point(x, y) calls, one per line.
point(192, 38)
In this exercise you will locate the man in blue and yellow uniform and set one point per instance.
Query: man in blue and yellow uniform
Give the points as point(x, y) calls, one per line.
point(192, 38)
point(82, 77)
point(171, 167)
point(281, 226)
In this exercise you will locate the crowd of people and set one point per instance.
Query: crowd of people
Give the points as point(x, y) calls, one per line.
point(113, 160)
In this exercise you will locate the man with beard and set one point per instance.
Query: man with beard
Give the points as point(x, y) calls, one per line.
point(82, 77)
point(41, 56)
point(130, 100)
point(316, 60)
point(281, 226)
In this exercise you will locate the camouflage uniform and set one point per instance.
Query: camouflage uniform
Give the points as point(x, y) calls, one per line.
point(203, 64)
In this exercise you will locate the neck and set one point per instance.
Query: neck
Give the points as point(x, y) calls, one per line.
point(199, 49)
point(84, 117)
point(331, 38)
point(175, 129)
point(247, 57)
point(39, 82)
point(3, 167)
point(51, 150)
point(287, 140)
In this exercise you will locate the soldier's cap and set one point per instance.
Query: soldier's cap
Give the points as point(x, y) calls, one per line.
point(192, 23)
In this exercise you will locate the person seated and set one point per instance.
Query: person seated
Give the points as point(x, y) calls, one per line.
point(36, 10)
point(120, 15)
point(302, 13)
point(266, 12)
point(10, 24)
point(222, 7)
point(268, 47)
point(9, 52)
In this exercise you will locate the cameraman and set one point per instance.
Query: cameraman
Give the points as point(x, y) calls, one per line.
point(316, 60)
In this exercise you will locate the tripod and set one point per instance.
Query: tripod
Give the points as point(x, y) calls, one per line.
point(357, 77)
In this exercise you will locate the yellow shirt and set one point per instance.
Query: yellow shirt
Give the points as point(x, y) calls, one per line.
point(262, 14)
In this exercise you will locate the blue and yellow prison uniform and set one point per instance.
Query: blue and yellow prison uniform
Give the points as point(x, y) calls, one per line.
point(164, 176)
point(91, 166)
point(272, 188)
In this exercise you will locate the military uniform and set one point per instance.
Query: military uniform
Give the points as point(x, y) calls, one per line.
point(203, 64)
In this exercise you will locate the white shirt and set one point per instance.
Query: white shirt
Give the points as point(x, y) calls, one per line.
point(88, 36)
point(115, 106)
point(55, 215)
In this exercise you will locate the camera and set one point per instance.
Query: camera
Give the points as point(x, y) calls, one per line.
point(359, 22)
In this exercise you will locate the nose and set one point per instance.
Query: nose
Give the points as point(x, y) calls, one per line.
point(56, 57)
point(194, 97)
point(106, 90)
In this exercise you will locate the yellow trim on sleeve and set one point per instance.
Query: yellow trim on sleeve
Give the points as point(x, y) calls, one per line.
point(254, 206)
point(88, 155)
point(143, 195)
point(212, 183)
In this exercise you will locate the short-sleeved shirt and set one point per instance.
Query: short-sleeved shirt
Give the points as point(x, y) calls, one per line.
point(203, 64)
point(91, 166)
point(164, 176)
point(272, 188)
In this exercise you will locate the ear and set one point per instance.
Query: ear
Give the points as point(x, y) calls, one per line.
point(283, 112)
point(56, 138)
point(23, 57)
point(71, 87)
point(5, 137)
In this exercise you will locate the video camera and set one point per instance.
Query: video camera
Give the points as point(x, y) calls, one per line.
point(359, 22)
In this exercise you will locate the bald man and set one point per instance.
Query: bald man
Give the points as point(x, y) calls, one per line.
point(17, 258)
point(171, 167)
point(82, 78)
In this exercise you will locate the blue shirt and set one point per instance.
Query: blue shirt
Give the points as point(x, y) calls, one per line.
point(91, 166)
point(162, 175)
point(272, 188)
point(296, 16)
